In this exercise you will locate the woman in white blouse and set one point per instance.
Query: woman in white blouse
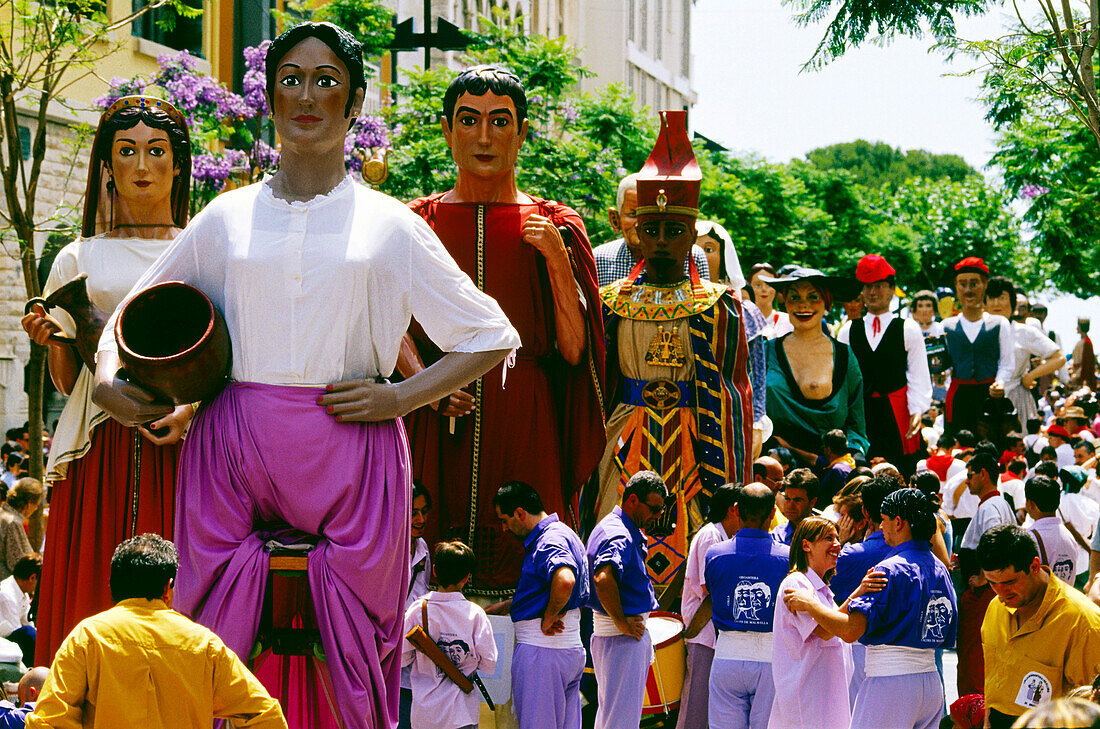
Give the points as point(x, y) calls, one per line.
point(110, 481)
point(318, 278)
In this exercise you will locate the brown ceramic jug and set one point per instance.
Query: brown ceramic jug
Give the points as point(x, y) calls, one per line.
point(173, 341)
point(90, 321)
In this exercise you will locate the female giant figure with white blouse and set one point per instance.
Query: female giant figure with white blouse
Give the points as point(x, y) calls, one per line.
point(318, 278)
point(110, 481)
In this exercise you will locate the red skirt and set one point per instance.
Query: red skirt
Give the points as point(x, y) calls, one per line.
point(124, 485)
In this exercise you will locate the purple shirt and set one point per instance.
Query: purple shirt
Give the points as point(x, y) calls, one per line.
point(743, 576)
point(853, 563)
point(805, 667)
point(618, 542)
point(917, 608)
point(550, 546)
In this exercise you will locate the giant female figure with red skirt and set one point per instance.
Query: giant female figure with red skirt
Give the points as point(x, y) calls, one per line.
point(318, 278)
point(110, 481)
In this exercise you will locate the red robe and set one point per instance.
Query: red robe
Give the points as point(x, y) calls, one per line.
point(545, 424)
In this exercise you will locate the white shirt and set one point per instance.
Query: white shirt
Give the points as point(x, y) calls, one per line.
point(1013, 487)
point(991, 512)
point(1065, 456)
point(967, 504)
point(935, 329)
point(1083, 513)
point(1029, 342)
point(14, 604)
point(462, 630)
point(1059, 549)
point(694, 591)
point(1007, 361)
point(418, 587)
point(321, 291)
point(918, 380)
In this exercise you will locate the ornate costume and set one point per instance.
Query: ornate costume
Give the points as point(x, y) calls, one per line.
point(543, 423)
point(679, 398)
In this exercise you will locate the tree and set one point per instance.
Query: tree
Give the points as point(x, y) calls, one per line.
point(45, 47)
point(1057, 55)
point(880, 165)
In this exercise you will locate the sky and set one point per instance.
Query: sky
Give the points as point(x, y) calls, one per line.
point(754, 99)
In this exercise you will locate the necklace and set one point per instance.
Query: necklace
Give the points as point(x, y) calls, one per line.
point(143, 225)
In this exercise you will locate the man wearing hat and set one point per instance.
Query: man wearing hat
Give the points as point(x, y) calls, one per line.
point(897, 386)
point(679, 398)
point(981, 347)
point(1061, 441)
point(1077, 423)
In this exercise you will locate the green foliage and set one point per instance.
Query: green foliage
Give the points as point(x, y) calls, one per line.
point(880, 165)
point(578, 145)
point(856, 21)
point(799, 213)
point(957, 219)
point(370, 21)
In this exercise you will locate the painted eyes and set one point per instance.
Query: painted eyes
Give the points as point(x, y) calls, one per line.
point(324, 82)
point(131, 151)
point(469, 120)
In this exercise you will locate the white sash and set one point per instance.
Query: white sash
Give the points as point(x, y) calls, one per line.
point(896, 660)
point(529, 632)
point(744, 645)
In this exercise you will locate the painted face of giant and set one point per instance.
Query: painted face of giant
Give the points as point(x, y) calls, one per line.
point(485, 137)
point(142, 166)
point(311, 94)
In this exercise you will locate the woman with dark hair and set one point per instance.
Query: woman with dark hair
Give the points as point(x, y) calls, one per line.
point(814, 382)
point(763, 295)
point(318, 278)
point(808, 660)
point(110, 481)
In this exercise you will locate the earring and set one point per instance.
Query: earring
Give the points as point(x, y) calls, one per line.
point(110, 185)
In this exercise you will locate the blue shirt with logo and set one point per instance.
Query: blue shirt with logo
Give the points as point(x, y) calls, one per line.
point(917, 608)
point(742, 576)
point(550, 546)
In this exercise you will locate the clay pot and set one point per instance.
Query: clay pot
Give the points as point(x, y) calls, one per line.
point(173, 341)
point(90, 321)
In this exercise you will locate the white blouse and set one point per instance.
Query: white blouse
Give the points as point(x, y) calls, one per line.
point(321, 291)
point(112, 265)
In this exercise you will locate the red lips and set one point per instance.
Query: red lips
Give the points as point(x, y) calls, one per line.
point(143, 183)
point(306, 119)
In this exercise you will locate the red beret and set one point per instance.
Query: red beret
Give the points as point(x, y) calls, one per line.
point(971, 264)
point(1059, 431)
point(873, 268)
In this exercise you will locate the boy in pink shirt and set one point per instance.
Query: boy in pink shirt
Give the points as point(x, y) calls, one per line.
point(461, 630)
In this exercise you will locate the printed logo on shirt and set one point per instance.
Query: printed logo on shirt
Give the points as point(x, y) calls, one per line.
point(1034, 690)
point(753, 598)
point(1063, 569)
point(456, 650)
point(937, 616)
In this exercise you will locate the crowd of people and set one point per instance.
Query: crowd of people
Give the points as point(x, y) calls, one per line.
point(828, 479)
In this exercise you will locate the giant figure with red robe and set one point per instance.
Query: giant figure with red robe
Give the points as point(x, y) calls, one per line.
point(540, 419)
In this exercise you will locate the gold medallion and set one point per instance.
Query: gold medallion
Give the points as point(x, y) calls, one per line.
point(661, 394)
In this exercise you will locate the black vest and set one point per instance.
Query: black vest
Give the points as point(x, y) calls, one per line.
point(884, 369)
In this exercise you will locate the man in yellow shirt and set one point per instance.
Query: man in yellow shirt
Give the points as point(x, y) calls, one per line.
point(142, 664)
point(1040, 636)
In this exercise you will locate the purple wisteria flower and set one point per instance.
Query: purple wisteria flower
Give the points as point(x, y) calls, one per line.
point(1030, 192)
point(120, 87)
point(366, 133)
point(214, 169)
point(255, 81)
point(569, 111)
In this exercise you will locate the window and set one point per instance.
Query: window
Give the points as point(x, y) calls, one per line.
point(685, 40)
point(631, 11)
point(185, 35)
point(25, 141)
point(644, 30)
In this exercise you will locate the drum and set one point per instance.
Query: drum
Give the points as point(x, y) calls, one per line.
point(665, 682)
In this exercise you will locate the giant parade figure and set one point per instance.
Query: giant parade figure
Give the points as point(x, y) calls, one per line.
point(110, 482)
point(679, 397)
point(318, 279)
point(540, 421)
